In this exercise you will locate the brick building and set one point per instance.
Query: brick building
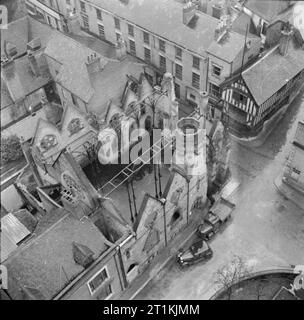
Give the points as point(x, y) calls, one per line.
point(191, 44)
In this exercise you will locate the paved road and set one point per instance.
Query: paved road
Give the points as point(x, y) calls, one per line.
point(267, 230)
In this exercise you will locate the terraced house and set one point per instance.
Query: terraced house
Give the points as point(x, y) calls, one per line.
point(185, 41)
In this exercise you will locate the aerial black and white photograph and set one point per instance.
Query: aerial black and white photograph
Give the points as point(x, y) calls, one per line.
point(152, 150)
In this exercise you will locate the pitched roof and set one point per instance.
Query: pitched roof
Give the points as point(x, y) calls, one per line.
point(231, 46)
point(299, 136)
point(72, 56)
point(22, 31)
point(269, 74)
point(46, 263)
point(267, 9)
point(12, 233)
point(96, 89)
point(169, 21)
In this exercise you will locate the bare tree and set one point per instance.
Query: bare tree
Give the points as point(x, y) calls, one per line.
point(229, 275)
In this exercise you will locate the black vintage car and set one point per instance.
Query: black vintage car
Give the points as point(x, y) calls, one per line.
point(198, 251)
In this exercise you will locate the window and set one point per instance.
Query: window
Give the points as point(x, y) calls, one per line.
point(237, 96)
point(85, 20)
point(178, 53)
point(68, 2)
point(118, 36)
point(216, 12)
point(175, 218)
point(82, 6)
point(147, 54)
point(131, 30)
point(192, 96)
point(117, 23)
point(146, 37)
point(264, 28)
point(95, 283)
point(195, 80)
point(179, 71)
point(105, 293)
point(162, 45)
point(101, 31)
point(196, 63)
point(177, 90)
point(162, 63)
point(74, 99)
point(215, 90)
point(216, 71)
point(132, 47)
point(98, 14)
point(295, 174)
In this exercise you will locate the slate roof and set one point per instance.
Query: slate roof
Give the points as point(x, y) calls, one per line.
point(269, 74)
point(43, 262)
point(267, 9)
point(230, 47)
point(95, 89)
point(22, 31)
point(169, 21)
point(299, 136)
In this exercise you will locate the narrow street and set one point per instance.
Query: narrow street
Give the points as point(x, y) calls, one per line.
point(266, 230)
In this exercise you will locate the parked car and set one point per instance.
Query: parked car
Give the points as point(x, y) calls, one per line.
point(218, 215)
point(198, 251)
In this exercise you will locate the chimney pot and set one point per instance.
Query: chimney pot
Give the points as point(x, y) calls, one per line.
point(188, 12)
point(93, 63)
point(121, 49)
point(285, 38)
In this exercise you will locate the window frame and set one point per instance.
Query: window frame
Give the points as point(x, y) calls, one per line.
point(99, 28)
point(194, 82)
point(92, 292)
point(130, 27)
point(83, 7)
point(147, 50)
point(163, 68)
point(162, 45)
point(214, 67)
point(176, 73)
point(194, 65)
point(146, 37)
point(98, 14)
point(116, 23)
point(211, 86)
point(178, 57)
point(131, 51)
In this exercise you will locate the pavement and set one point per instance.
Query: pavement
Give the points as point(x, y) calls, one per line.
point(289, 192)
point(266, 230)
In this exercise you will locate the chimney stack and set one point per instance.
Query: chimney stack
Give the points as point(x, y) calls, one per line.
point(121, 49)
point(8, 68)
point(285, 38)
point(188, 12)
point(11, 78)
point(93, 63)
point(73, 23)
point(167, 85)
point(33, 49)
point(203, 106)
